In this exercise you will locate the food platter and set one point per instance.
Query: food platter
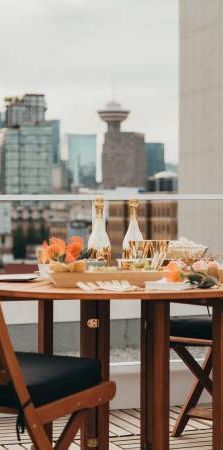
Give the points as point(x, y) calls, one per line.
point(138, 278)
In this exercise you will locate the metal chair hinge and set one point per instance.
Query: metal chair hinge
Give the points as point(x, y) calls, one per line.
point(93, 443)
point(93, 323)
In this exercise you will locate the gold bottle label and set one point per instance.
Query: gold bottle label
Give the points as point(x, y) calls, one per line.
point(99, 207)
point(133, 206)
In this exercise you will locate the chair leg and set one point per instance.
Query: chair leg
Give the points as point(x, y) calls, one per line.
point(49, 431)
point(194, 367)
point(38, 435)
point(73, 425)
point(193, 397)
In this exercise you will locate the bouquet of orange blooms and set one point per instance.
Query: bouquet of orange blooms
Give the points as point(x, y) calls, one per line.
point(58, 250)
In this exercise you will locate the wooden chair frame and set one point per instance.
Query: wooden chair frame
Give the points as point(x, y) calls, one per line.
point(36, 418)
point(203, 381)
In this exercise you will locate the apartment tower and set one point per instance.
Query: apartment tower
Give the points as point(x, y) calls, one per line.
point(201, 118)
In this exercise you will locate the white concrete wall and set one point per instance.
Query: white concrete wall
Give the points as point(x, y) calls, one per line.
point(127, 378)
point(201, 119)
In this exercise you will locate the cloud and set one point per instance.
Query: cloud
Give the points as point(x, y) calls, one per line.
point(72, 50)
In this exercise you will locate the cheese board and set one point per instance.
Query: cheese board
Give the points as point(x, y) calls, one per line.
point(70, 279)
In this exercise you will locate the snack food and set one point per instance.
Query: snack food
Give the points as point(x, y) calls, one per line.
point(77, 266)
point(57, 266)
point(185, 249)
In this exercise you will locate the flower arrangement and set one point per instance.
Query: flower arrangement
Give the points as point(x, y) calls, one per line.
point(58, 250)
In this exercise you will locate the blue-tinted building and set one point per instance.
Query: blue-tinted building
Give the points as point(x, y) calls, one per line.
point(163, 182)
point(155, 159)
point(2, 120)
point(82, 159)
point(55, 124)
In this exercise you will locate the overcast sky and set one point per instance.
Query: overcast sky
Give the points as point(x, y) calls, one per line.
point(72, 50)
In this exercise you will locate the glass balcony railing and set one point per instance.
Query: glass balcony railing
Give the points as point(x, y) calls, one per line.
point(27, 220)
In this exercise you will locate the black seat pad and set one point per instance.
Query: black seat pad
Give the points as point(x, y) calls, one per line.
point(198, 327)
point(49, 378)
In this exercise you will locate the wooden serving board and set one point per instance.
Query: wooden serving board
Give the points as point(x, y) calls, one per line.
point(138, 278)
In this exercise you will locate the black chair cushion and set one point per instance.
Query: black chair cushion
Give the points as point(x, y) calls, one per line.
point(49, 378)
point(198, 327)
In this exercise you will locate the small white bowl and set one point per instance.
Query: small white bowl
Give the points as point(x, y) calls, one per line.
point(43, 270)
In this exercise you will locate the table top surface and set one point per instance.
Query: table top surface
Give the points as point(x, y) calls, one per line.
point(45, 290)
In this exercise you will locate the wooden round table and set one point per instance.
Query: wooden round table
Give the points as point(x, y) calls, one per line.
point(95, 343)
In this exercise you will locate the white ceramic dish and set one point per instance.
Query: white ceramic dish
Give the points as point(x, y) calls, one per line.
point(163, 285)
point(19, 277)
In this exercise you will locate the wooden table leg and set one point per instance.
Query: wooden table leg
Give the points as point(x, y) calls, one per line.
point(95, 343)
point(218, 377)
point(154, 375)
point(45, 338)
point(45, 327)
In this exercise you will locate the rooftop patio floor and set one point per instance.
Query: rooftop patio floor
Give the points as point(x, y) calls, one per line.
point(124, 433)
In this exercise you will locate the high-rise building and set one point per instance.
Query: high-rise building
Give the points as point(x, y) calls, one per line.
point(81, 159)
point(201, 118)
point(2, 120)
point(55, 124)
point(123, 157)
point(28, 146)
point(163, 182)
point(29, 109)
point(26, 159)
point(155, 161)
point(60, 181)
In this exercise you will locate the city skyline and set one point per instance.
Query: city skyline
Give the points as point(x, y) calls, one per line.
point(85, 59)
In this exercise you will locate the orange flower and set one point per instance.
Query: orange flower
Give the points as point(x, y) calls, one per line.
point(55, 249)
point(43, 254)
point(74, 248)
point(172, 272)
point(69, 258)
point(45, 244)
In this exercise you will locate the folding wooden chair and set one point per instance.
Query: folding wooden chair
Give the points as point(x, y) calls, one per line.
point(193, 331)
point(42, 388)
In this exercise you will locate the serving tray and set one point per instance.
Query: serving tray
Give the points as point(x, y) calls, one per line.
point(69, 280)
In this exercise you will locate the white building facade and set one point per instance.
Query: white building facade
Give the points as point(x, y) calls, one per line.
point(201, 119)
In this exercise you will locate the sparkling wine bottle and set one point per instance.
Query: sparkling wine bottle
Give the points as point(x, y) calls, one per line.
point(99, 243)
point(133, 233)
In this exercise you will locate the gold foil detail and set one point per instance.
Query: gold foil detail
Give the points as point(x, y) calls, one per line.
point(133, 206)
point(99, 206)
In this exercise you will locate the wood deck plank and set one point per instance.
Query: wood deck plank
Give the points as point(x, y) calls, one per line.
point(124, 433)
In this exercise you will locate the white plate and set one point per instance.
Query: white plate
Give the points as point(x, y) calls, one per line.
point(18, 277)
point(163, 285)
